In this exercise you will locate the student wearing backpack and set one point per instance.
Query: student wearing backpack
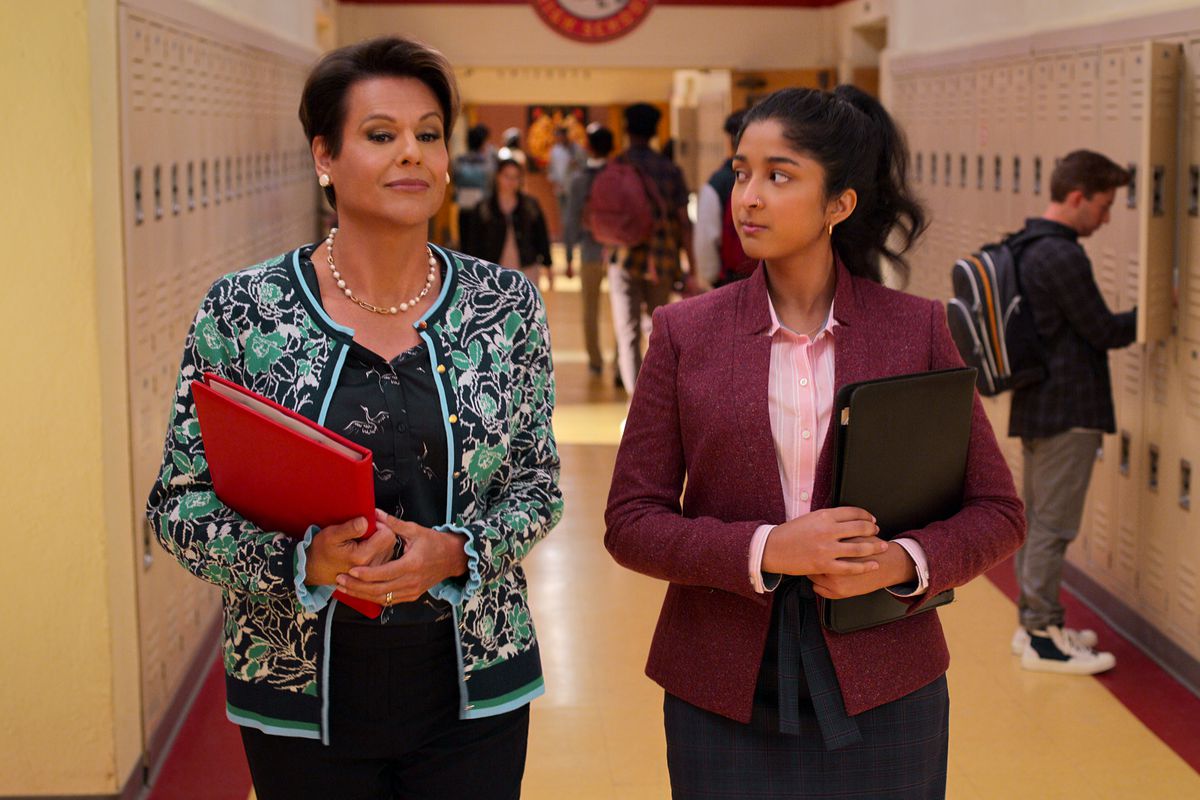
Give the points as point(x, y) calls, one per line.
point(735, 402)
point(720, 258)
point(642, 281)
point(1061, 419)
point(591, 252)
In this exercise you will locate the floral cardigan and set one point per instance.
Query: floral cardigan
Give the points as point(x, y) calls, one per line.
point(489, 348)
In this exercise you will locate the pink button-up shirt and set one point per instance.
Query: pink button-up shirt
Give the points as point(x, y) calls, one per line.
point(800, 400)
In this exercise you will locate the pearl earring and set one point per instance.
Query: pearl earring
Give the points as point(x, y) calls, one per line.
point(831, 229)
point(323, 180)
point(447, 178)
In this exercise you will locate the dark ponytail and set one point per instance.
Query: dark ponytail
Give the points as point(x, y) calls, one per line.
point(860, 147)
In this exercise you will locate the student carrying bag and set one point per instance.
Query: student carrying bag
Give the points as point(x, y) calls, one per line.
point(990, 321)
point(622, 206)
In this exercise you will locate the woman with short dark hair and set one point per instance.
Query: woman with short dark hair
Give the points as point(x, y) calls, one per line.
point(735, 400)
point(439, 364)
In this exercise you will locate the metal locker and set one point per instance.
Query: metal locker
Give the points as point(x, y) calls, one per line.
point(1156, 192)
point(1189, 262)
point(1042, 90)
point(986, 218)
point(1083, 127)
point(963, 156)
point(176, 140)
point(1024, 148)
point(1063, 102)
point(1108, 246)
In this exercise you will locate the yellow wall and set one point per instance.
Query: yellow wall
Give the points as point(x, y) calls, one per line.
point(68, 664)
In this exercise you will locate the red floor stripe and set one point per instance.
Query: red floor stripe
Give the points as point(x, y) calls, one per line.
point(1163, 704)
point(206, 758)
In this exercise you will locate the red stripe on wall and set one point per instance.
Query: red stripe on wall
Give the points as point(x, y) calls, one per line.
point(1163, 704)
point(206, 758)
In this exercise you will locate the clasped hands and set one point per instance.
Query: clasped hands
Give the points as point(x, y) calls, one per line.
point(364, 568)
point(840, 551)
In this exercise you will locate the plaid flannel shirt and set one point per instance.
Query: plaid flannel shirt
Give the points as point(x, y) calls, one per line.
point(1077, 329)
point(660, 255)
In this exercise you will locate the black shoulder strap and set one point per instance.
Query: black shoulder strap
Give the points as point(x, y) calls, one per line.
point(1019, 240)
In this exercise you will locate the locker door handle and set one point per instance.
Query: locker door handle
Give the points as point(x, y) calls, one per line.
point(139, 216)
point(1194, 191)
point(1131, 200)
point(920, 166)
point(175, 206)
point(1016, 174)
point(217, 181)
point(998, 172)
point(1160, 177)
point(158, 207)
point(946, 164)
point(979, 173)
point(1126, 441)
point(147, 542)
point(962, 171)
point(933, 166)
point(1037, 175)
point(1152, 471)
point(204, 183)
point(1185, 484)
point(191, 185)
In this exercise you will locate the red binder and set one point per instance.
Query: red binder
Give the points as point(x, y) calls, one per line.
point(282, 471)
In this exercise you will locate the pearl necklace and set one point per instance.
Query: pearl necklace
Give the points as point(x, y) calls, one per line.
point(341, 283)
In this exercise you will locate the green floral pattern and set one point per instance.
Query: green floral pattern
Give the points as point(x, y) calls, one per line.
point(254, 328)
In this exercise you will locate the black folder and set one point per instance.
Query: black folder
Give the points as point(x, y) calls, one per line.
point(900, 452)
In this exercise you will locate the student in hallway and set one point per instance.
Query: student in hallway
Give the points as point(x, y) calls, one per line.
point(407, 350)
point(643, 281)
point(473, 170)
point(1061, 419)
point(735, 401)
point(720, 258)
point(591, 252)
point(509, 227)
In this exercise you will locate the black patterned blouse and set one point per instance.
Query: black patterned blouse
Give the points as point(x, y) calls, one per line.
point(392, 408)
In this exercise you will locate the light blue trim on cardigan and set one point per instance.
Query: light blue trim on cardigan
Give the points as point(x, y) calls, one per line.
point(320, 310)
point(525, 699)
point(449, 589)
point(325, 672)
point(316, 304)
point(337, 373)
point(312, 598)
point(274, 730)
point(446, 281)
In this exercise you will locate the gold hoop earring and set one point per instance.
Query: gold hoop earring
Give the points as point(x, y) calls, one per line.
point(447, 178)
point(324, 180)
point(830, 229)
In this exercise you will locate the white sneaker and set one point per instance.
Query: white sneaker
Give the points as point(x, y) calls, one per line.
point(1085, 637)
point(1051, 650)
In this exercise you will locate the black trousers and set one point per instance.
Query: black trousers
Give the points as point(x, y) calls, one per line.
point(394, 728)
point(902, 755)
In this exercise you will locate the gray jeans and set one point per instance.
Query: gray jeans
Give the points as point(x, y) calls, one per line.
point(1057, 472)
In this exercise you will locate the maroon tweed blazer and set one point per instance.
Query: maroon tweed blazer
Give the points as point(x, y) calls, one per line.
point(699, 417)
